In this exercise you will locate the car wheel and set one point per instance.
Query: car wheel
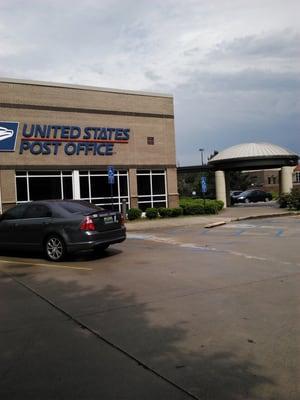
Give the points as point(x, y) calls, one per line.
point(55, 248)
point(267, 199)
point(247, 201)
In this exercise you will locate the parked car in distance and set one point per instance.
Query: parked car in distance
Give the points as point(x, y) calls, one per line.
point(253, 196)
point(59, 227)
point(234, 194)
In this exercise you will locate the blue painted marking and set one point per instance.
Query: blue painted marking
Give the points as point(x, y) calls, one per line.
point(279, 232)
point(239, 232)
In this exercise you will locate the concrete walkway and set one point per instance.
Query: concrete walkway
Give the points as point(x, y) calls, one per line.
point(229, 214)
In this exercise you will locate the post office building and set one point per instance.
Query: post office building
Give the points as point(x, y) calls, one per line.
point(61, 141)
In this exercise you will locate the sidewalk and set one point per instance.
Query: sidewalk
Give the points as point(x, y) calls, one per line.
point(229, 214)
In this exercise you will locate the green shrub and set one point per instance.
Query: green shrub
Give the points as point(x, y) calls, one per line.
point(211, 208)
point(290, 200)
point(200, 206)
point(294, 199)
point(194, 209)
point(163, 212)
point(176, 212)
point(169, 212)
point(219, 204)
point(283, 200)
point(275, 195)
point(134, 213)
point(151, 213)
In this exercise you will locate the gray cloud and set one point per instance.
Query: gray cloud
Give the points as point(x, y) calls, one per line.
point(152, 75)
point(273, 45)
point(233, 69)
point(245, 80)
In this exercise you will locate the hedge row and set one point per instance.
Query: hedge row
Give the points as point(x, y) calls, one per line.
point(187, 207)
point(200, 206)
point(151, 213)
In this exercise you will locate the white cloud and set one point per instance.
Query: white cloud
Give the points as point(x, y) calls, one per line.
point(210, 54)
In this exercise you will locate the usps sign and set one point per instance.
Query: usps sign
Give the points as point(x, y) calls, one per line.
point(8, 135)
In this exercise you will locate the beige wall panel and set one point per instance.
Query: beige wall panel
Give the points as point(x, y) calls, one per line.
point(173, 201)
point(172, 181)
point(172, 187)
point(92, 99)
point(8, 188)
point(132, 182)
point(136, 152)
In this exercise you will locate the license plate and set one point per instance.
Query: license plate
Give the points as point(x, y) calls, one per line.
point(108, 220)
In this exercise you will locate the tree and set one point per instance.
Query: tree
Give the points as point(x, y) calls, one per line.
point(239, 180)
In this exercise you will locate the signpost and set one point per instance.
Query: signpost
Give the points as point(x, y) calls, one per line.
point(203, 187)
point(111, 181)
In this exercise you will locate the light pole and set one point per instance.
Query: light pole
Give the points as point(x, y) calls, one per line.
point(201, 150)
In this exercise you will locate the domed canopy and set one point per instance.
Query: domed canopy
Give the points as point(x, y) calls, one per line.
point(254, 155)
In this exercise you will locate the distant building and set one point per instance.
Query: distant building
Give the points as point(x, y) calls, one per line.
point(268, 179)
point(296, 177)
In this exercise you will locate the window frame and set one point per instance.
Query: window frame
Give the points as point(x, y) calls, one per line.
point(154, 198)
point(28, 174)
point(101, 200)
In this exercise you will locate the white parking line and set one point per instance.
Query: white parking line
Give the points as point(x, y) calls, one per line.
point(44, 265)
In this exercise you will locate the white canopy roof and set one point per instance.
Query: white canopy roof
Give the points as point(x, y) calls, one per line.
point(252, 150)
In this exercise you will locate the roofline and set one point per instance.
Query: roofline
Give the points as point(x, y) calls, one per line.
point(194, 168)
point(253, 158)
point(83, 87)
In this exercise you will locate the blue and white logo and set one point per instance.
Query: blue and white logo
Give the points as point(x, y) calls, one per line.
point(203, 184)
point(111, 175)
point(8, 135)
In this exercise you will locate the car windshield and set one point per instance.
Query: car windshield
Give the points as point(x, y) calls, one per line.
point(80, 207)
point(246, 192)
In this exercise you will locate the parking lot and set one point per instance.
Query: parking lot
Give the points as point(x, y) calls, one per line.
point(172, 313)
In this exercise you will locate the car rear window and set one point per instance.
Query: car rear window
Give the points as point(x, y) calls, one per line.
point(15, 212)
point(80, 207)
point(37, 211)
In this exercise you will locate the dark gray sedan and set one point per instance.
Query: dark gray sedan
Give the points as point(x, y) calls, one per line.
point(252, 196)
point(59, 227)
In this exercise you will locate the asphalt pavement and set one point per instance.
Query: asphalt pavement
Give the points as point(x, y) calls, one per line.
point(239, 211)
point(174, 312)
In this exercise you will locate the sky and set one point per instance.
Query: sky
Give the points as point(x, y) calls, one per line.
point(233, 66)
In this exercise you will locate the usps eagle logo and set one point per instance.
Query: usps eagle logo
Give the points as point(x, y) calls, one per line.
point(8, 135)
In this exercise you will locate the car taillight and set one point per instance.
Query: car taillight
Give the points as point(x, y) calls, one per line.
point(121, 219)
point(87, 224)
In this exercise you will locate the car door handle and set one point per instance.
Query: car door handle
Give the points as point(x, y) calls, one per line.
point(46, 223)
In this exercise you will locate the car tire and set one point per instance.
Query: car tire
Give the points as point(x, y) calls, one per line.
point(55, 248)
point(267, 199)
point(247, 201)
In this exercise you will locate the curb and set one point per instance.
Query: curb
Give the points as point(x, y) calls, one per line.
point(272, 215)
point(214, 224)
point(258, 216)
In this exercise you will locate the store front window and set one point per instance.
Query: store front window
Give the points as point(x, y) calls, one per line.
point(94, 187)
point(42, 185)
point(151, 188)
